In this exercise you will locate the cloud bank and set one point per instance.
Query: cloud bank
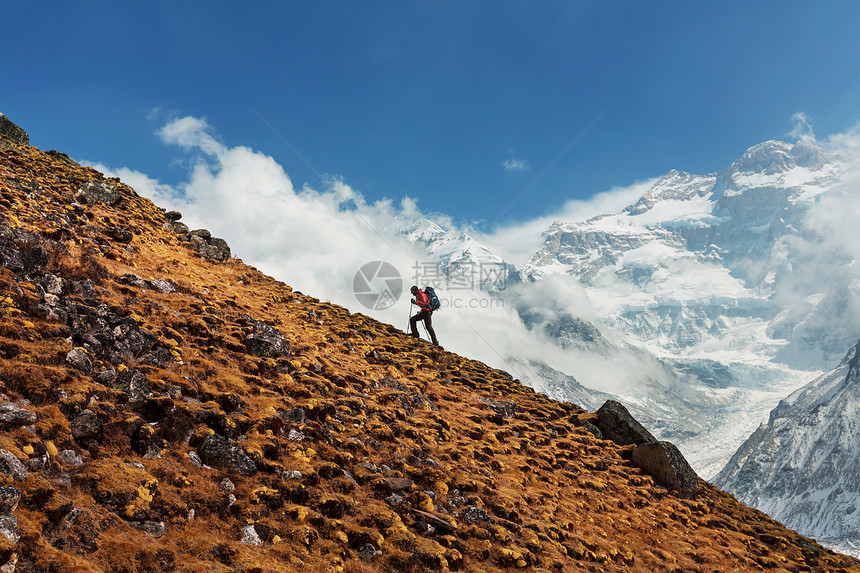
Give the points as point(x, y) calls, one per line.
point(317, 239)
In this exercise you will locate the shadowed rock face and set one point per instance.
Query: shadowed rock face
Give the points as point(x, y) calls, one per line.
point(12, 132)
point(136, 375)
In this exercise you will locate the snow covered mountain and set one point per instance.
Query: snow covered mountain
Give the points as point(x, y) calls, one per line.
point(803, 467)
point(707, 290)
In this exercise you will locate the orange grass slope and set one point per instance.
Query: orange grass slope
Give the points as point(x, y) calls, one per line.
point(164, 411)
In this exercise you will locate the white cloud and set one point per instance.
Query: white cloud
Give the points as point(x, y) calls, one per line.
point(515, 165)
point(316, 240)
point(801, 127)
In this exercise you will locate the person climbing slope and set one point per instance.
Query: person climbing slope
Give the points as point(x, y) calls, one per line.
point(425, 313)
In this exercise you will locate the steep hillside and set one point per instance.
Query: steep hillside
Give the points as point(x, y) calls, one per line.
point(168, 408)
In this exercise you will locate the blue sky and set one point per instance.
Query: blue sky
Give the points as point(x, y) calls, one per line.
point(464, 106)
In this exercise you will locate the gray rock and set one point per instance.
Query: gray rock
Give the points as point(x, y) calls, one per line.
point(134, 383)
point(9, 498)
point(9, 527)
point(70, 518)
point(78, 359)
point(176, 226)
point(618, 425)
point(87, 426)
point(221, 452)
point(162, 286)
point(368, 551)
point(12, 414)
point(227, 486)
point(476, 514)
point(173, 216)
point(12, 132)
point(195, 459)
point(53, 284)
point(101, 191)
point(202, 233)
point(70, 458)
point(267, 342)
point(152, 528)
point(213, 248)
point(502, 408)
point(250, 537)
point(667, 465)
point(11, 466)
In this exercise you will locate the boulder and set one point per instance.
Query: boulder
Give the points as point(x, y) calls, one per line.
point(618, 425)
point(667, 465)
point(12, 414)
point(11, 466)
point(134, 384)
point(223, 453)
point(267, 342)
point(86, 426)
point(173, 216)
point(101, 191)
point(78, 359)
point(12, 132)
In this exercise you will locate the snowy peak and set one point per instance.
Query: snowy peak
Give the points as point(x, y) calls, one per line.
point(802, 467)
point(773, 157)
point(674, 186)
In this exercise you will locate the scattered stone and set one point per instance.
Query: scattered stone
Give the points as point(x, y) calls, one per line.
point(78, 359)
point(295, 435)
point(502, 408)
point(250, 537)
point(9, 498)
point(152, 528)
point(9, 527)
point(667, 465)
point(394, 500)
point(195, 459)
point(221, 452)
point(134, 383)
point(618, 425)
point(12, 414)
point(120, 235)
point(176, 226)
point(399, 484)
point(70, 518)
point(162, 286)
point(101, 191)
point(227, 486)
point(11, 466)
point(53, 284)
point(266, 341)
point(86, 426)
point(476, 514)
point(368, 551)
point(70, 458)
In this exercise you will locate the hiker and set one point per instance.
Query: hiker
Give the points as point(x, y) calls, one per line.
point(424, 313)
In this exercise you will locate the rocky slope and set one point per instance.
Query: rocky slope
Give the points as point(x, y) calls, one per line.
point(166, 407)
point(802, 467)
